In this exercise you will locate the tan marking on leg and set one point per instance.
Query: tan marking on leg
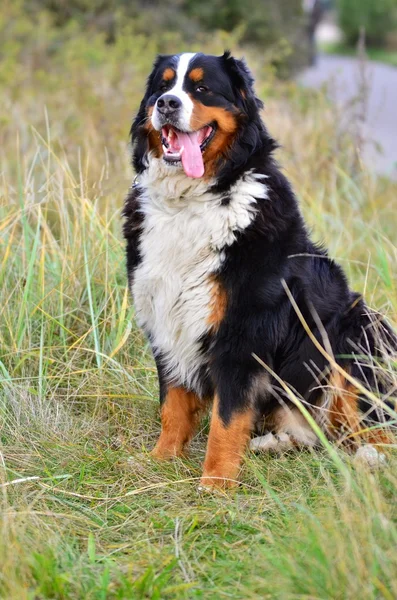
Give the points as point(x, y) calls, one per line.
point(226, 446)
point(218, 304)
point(180, 415)
point(344, 415)
point(379, 436)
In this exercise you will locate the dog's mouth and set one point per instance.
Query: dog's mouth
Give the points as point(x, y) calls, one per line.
point(187, 147)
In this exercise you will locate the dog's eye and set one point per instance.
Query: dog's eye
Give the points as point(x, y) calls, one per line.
point(201, 88)
point(164, 86)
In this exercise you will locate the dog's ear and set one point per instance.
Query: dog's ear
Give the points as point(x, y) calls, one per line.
point(138, 133)
point(243, 83)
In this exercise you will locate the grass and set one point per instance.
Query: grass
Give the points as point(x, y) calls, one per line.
point(85, 513)
point(379, 54)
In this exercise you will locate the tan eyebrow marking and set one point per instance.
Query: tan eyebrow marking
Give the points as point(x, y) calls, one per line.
point(196, 74)
point(168, 74)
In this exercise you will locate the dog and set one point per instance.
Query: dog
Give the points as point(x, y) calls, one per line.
point(241, 309)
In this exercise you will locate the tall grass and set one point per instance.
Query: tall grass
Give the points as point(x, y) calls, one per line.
point(85, 513)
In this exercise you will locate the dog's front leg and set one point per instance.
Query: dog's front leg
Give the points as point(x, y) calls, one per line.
point(228, 438)
point(180, 414)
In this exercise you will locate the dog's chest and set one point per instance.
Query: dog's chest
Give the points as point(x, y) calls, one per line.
point(172, 286)
point(182, 245)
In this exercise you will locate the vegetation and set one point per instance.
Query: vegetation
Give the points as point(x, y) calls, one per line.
point(85, 512)
point(376, 17)
point(276, 28)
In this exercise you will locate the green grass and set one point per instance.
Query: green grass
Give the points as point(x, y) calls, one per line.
point(379, 54)
point(85, 512)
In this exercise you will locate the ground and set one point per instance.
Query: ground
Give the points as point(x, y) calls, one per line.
point(369, 90)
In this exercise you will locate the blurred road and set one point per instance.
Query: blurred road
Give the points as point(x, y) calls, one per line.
point(368, 90)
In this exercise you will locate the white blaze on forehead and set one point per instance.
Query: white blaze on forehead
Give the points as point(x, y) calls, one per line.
point(177, 90)
point(183, 65)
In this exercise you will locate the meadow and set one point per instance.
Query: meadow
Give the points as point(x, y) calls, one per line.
point(85, 512)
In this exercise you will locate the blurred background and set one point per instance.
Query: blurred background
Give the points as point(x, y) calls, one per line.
point(89, 59)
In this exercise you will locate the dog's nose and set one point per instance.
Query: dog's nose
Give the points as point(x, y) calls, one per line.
point(168, 104)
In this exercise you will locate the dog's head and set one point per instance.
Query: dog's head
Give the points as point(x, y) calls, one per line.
point(198, 112)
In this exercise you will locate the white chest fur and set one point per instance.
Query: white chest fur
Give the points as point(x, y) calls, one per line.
point(185, 232)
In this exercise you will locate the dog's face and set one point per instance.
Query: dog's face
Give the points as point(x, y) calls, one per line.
point(194, 109)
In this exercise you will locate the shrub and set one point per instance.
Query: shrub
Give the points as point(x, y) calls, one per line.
point(376, 17)
point(275, 27)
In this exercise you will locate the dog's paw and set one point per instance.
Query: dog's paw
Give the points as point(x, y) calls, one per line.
point(369, 456)
point(212, 482)
point(210, 489)
point(162, 454)
point(269, 442)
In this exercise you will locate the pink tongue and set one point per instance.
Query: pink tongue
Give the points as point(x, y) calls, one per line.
point(192, 159)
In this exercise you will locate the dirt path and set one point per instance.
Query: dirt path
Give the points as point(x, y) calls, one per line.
point(347, 78)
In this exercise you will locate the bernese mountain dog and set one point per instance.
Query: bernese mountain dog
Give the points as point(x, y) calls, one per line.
point(241, 309)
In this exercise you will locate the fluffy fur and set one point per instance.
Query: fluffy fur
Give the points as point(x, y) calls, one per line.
point(182, 239)
point(206, 261)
